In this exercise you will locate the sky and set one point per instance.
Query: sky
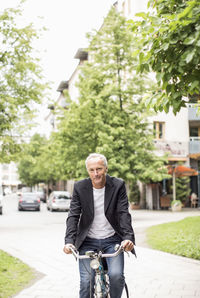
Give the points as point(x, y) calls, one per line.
point(67, 22)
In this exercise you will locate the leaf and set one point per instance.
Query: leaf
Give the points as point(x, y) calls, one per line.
point(146, 67)
point(166, 107)
point(190, 56)
point(174, 40)
point(142, 15)
point(141, 57)
point(158, 76)
point(194, 85)
point(165, 46)
point(190, 40)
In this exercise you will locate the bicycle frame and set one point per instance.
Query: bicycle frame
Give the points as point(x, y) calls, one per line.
point(101, 288)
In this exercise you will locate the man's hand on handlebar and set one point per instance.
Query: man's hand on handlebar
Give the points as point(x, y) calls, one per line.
point(127, 245)
point(67, 248)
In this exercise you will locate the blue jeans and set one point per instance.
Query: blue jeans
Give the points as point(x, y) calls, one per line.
point(115, 266)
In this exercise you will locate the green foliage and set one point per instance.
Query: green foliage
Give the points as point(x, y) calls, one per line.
point(176, 203)
point(20, 79)
point(170, 38)
point(109, 116)
point(9, 149)
point(182, 188)
point(14, 275)
point(40, 162)
point(31, 170)
point(180, 238)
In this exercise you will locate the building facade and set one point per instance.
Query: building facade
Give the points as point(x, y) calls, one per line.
point(9, 177)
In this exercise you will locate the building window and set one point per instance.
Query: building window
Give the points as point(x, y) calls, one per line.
point(194, 131)
point(159, 130)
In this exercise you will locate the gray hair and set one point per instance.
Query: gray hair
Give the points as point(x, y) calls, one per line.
point(98, 156)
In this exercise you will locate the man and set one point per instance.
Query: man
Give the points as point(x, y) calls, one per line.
point(98, 220)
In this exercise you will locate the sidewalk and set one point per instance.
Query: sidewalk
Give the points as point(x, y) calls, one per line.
point(152, 275)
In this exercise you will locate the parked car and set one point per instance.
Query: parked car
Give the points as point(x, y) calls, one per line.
point(22, 190)
point(29, 201)
point(59, 200)
point(41, 195)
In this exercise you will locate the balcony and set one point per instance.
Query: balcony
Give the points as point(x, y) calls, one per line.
point(194, 112)
point(176, 150)
point(194, 145)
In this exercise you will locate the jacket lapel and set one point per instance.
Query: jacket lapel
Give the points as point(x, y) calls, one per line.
point(89, 195)
point(108, 192)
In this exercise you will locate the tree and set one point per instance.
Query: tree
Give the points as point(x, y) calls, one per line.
point(170, 37)
point(182, 188)
point(49, 164)
point(29, 167)
point(20, 80)
point(109, 116)
point(39, 161)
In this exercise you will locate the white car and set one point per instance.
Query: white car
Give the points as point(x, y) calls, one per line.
point(59, 200)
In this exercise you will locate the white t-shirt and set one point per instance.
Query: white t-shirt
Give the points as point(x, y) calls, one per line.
point(100, 228)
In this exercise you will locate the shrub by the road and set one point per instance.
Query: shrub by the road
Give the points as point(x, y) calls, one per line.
point(179, 238)
point(14, 275)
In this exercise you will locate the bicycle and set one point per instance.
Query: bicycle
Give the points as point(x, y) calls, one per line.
point(101, 285)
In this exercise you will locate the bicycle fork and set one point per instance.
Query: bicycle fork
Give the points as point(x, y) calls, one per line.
point(101, 284)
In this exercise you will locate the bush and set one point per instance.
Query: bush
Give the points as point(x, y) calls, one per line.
point(176, 203)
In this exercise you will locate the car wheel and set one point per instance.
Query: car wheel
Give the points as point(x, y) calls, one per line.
point(38, 209)
point(1, 212)
point(51, 209)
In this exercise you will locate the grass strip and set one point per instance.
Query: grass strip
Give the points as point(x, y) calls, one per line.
point(14, 275)
point(180, 238)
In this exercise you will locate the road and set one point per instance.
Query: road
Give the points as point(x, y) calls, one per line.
point(37, 239)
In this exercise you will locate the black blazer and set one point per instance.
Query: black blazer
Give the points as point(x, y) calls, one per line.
point(81, 212)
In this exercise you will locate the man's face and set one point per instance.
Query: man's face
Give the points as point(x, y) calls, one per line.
point(97, 172)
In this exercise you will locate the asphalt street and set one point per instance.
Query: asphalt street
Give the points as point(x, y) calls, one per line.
point(37, 239)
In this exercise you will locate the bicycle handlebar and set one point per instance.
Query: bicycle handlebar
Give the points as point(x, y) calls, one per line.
point(119, 249)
